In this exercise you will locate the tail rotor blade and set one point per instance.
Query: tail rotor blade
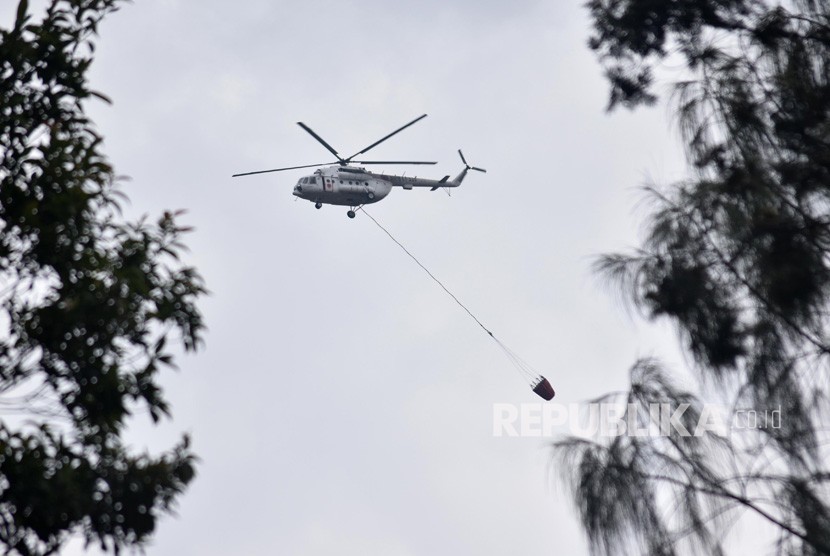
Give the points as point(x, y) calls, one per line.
point(464, 160)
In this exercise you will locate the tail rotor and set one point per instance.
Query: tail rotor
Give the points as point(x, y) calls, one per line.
point(460, 177)
point(467, 166)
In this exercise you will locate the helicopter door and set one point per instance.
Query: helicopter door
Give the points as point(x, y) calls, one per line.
point(328, 184)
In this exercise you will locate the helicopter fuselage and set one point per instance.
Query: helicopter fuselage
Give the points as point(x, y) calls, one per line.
point(353, 186)
point(342, 186)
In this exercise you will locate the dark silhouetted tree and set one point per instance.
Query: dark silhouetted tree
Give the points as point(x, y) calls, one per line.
point(737, 257)
point(87, 302)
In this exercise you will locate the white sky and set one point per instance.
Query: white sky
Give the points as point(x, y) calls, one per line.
point(343, 404)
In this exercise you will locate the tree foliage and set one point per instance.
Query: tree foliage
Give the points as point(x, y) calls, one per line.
point(737, 256)
point(88, 303)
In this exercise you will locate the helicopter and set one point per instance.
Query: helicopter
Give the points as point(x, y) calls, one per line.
point(340, 183)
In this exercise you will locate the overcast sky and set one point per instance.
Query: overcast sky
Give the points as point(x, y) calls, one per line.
point(343, 403)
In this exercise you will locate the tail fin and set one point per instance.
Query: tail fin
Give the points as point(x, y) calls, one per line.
point(460, 177)
point(442, 180)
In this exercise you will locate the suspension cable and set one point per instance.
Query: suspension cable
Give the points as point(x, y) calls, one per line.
point(539, 383)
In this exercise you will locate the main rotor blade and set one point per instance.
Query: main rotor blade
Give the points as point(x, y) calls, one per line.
point(390, 162)
point(376, 143)
point(281, 169)
point(320, 139)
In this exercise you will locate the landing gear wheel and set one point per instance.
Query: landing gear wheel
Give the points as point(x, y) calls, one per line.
point(318, 205)
point(350, 214)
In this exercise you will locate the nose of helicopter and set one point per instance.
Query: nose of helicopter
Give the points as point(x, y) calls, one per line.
point(298, 191)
